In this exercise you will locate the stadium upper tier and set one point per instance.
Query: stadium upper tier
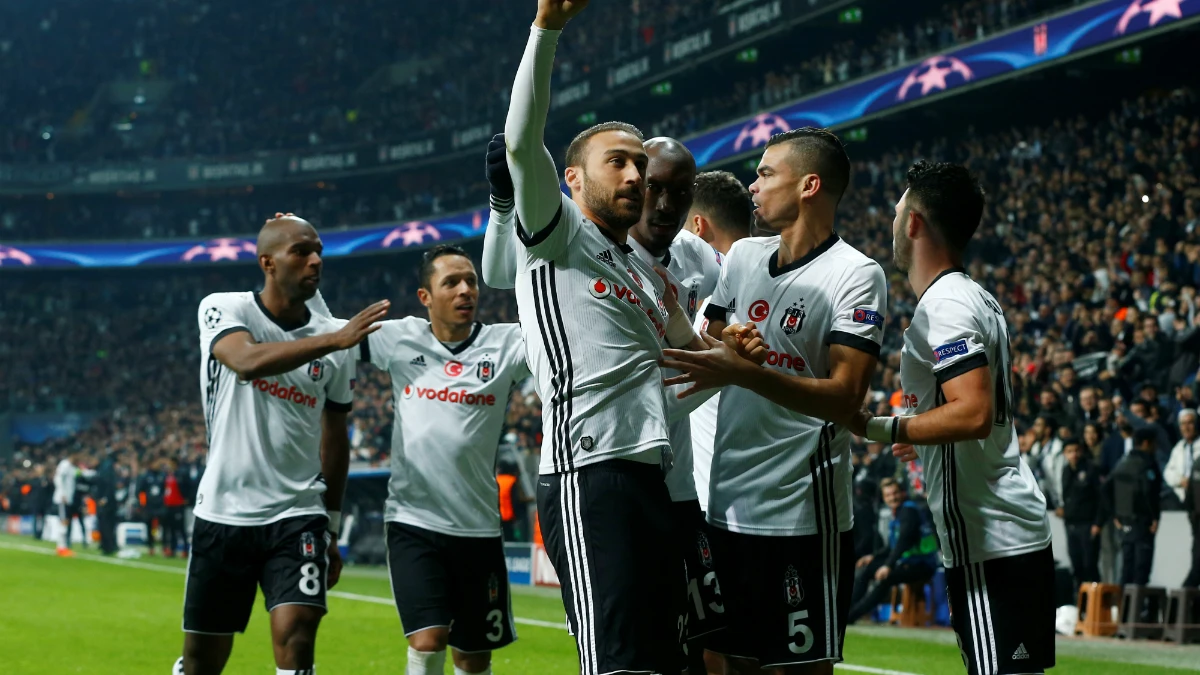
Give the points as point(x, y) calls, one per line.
point(165, 80)
point(374, 184)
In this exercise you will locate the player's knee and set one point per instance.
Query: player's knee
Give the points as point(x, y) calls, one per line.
point(429, 640)
point(472, 663)
point(297, 641)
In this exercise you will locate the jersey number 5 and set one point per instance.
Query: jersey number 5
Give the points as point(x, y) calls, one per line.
point(806, 634)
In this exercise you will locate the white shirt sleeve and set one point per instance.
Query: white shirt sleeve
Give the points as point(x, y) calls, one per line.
point(722, 302)
point(380, 346)
point(516, 353)
point(500, 247)
point(316, 305)
point(539, 202)
point(858, 310)
point(220, 314)
point(339, 392)
point(953, 342)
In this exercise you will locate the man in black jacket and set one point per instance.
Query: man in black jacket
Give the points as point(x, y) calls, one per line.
point(1133, 493)
point(105, 492)
point(909, 557)
point(150, 486)
point(1082, 511)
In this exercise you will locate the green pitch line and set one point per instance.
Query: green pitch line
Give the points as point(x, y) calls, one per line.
point(91, 614)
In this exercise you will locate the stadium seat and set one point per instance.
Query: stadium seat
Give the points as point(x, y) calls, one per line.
point(910, 606)
point(1142, 612)
point(1097, 609)
point(1182, 621)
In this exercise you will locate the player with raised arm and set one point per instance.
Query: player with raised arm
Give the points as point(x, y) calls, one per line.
point(451, 378)
point(780, 492)
point(276, 382)
point(593, 314)
point(990, 515)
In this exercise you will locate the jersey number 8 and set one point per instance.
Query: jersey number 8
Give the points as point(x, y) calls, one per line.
point(310, 579)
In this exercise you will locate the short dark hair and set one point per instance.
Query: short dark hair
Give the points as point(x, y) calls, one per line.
point(949, 197)
point(578, 146)
point(821, 152)
point(1072, 441)
point(722, 198)
point(432, 255)
point(890, 482)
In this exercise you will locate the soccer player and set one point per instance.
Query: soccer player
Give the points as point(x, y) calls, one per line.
point(722, 213)
point(990, 515)
point(452, 378)
point(65, 498)
point(592, 315)
point(780, 492)
point(276, 383)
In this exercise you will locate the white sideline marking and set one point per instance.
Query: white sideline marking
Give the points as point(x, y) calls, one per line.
point(559, 625)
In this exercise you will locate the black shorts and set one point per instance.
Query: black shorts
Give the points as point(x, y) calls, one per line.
point(1002, 611)
point(706, 612)
point(439, 580)
point(229, 562)
point(611, 536)
point(786, 598)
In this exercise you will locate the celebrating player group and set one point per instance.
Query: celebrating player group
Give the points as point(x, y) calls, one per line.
point(699, 391)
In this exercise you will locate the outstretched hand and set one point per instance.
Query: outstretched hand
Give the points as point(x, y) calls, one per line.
point(554, 14)
point(363, 324)
point(904, 452)
point(716, 366)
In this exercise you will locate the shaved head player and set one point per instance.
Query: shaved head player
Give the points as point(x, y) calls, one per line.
point(276, 384)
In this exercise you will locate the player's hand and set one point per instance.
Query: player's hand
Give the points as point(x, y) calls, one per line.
point(1154, 527)
point(716, 366)
point(864, 561)
point(669, 297)
point(858, 423)
point(747, 341)
point(904, 452)
point(335, 561)
point(1059, 512)
point(363, 324)
point(1095, 531)
point(882, 573)
point(554, 14)
point(496, 168)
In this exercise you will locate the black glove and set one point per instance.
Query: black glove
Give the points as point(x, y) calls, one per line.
point(497, 170)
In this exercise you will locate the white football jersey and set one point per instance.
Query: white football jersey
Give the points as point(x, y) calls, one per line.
point(692, 268)
point(704, 422)
point(777, 472)
point(264, 436)
point(592, 318)
point(450, 406)
point(985, 501)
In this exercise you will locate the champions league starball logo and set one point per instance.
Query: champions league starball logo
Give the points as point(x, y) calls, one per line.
point(933, 75)
point(1157, 9)
point(221, 249)
point(14, 256)
point(760, 130)
point(411, 234)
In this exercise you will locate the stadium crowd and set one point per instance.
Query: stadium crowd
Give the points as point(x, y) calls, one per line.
point(1089, 241)
point(332, 86)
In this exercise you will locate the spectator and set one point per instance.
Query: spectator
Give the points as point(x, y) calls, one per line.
point(1183, 458)
point(1047, 451)
point(910, 556)
point(1134, 489)
point(1082, 512)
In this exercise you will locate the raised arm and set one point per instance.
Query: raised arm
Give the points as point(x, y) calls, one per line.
point(499, 245)
point(535, 179)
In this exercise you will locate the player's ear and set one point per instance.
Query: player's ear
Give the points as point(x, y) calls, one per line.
point(424, 296)
point(267, 264)
point(574, 179)
point(809, 185)
point(700, 226)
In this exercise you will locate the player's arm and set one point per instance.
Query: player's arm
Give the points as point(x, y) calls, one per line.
point(951, 343)
point(539, 202)
point(237, 350)
point(499, 242)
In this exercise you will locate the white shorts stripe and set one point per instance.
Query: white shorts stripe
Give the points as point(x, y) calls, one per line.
point(582, 630)
point(987, 616)
point(587, 573)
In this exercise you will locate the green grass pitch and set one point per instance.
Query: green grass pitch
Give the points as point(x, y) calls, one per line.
point(84, 615)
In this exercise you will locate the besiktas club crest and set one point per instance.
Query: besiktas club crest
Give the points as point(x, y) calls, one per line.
point(793, 587)
point(485, 370)
point(316, 369)
point(793, 318)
